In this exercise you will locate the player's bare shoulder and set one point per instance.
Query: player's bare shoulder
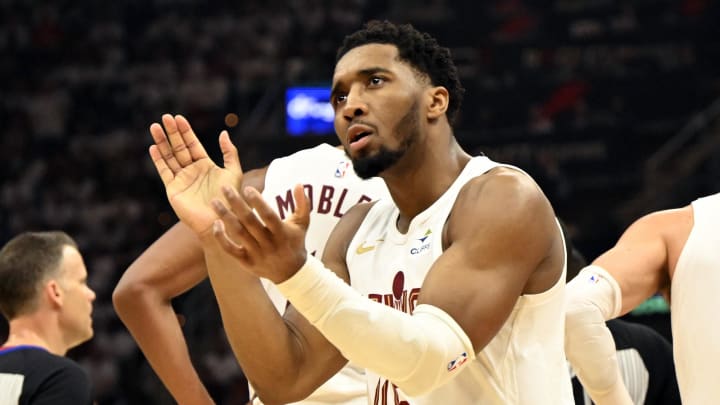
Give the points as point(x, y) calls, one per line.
point(505, 208)
point(502, 191)
point(254, 178)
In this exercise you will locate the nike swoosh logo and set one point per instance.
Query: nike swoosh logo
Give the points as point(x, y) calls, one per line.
point(364, 249)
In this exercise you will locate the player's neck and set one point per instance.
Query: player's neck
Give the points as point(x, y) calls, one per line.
point(417, 183)
point(34, 332)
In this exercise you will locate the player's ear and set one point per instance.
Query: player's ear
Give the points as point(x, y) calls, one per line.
point(438, 100)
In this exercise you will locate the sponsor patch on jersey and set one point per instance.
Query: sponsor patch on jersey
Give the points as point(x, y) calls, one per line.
point(423, 245)
point(342, 169)
point(459, 361)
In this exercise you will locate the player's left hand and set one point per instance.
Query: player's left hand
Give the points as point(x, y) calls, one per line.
point(264, 244)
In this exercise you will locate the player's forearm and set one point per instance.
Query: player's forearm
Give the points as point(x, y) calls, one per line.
point(154, 326)
point(590, 349)
point(418, 352)
point(267, 349)
point(591, 298)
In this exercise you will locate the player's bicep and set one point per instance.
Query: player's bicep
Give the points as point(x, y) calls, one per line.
point(499, 234)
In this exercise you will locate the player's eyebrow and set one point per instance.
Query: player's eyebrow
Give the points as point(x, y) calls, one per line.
point(362, 73)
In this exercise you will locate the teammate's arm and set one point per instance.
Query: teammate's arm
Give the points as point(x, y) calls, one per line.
point(640, 261)
point(618, 281)
point(169, 267)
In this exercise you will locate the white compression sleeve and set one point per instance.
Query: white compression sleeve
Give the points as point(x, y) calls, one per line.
point(592, 297)
point(417, 352)
point(595, 285)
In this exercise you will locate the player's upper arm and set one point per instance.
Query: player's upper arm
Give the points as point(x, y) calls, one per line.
point(501, 240)
point(639, 260)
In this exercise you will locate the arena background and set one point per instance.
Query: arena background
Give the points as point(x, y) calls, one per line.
point(611, 105)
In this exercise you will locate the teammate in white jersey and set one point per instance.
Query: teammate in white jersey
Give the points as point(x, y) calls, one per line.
point(174, 263)
point(674, 252)
point(468, 259)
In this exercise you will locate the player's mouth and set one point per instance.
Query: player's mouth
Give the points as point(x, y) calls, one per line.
point(358, 136)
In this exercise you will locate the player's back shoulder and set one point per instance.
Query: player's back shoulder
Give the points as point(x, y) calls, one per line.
point(318, 156)
point(321, 163)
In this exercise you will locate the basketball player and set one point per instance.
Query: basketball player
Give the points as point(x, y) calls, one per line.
point(674, 252)
point(45, 296)
point(175, 263)
point(457, 283)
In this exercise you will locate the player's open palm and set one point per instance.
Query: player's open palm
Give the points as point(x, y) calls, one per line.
point(191, 178)
point(254, 234)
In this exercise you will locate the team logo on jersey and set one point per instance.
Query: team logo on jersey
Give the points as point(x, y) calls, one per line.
point(401, 296)
point(363, 248)
point(594, 279)
point(459, 361)
point(342, 169)
point(398, 288)
point(423, 244)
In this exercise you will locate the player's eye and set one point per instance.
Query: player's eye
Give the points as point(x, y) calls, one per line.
point(376, 80)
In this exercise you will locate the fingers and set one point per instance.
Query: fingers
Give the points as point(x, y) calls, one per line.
point(230, 153)
point(190, 140)
point(251, 223)
point(164, 148)
point(273, 223)
point(225, 243)
point(166, 174)
point(301, 215)
point(241, 223)
point(177, 143)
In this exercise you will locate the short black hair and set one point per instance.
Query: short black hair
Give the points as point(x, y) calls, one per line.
point(418, 49)
point(26, 261)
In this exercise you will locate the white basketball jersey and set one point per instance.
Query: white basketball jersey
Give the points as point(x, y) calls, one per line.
point(694, 300)
point(523, 364)
point(332, 187)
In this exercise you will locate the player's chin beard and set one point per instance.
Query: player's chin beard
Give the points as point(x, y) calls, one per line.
point(371, 166)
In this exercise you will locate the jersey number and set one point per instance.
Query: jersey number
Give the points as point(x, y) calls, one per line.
point(381, 393)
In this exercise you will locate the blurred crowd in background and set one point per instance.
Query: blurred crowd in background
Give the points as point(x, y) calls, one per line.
point(611, 105)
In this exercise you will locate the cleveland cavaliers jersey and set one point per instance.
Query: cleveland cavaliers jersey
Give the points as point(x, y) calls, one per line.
point(332, 187)
point(694, 300)
point(523, 364)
